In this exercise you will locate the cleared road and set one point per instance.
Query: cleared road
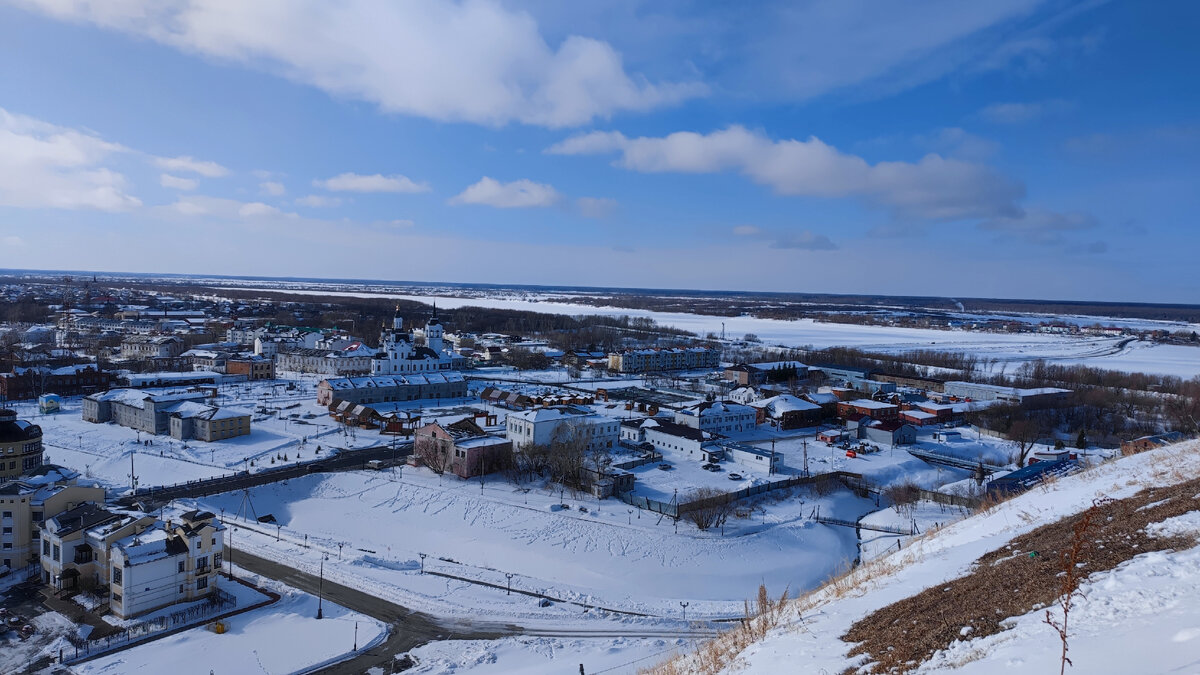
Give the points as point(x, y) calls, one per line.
point(408, 629)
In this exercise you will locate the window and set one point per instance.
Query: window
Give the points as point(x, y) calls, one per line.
point(116, 598)
point(118, 574)
point(8, 514)
point(216, 560)
point(45, 547)
point(7, 546)
point(202, 562)
point(57, 554)
point(7, 530)
point(202, 583)
point(180, 588)
point(181, 566)
point(198, 543)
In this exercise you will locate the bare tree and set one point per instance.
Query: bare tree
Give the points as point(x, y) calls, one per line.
point(434, 452)
point(707, 507)
point(1023, 434)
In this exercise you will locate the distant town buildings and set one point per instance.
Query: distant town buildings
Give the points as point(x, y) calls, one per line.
point(657, 360)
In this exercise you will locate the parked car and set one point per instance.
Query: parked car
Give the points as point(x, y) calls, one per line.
point(665, 467)
point(735, 476)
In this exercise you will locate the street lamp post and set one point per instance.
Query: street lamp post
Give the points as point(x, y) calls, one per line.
point(509, 576)
point(321, 590)
point(684, 605)
point(422, 562)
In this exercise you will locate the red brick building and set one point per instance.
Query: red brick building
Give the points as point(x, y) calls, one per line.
point(28, 383)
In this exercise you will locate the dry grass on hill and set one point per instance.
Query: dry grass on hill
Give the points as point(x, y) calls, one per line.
point(1016, 579)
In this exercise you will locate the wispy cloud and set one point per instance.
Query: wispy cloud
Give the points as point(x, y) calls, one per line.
point(186, 164)
point(353, 182)
point(177, 183)
point(1020, 113)
point(596, 207)
point(319, 201)
point(272, 188)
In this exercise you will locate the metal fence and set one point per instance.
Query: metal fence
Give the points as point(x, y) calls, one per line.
point(217, 602)
point(673, 510)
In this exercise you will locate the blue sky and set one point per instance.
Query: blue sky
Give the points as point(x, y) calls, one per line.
point(1029, 148)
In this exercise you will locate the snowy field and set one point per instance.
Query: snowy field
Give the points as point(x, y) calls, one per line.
point(611, 555)
point(1011, 349)
point(284, 637)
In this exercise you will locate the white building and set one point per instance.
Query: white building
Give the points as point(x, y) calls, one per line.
point(143, 563)
point(717, 417)
point(540, 427)
point(400, 355)
point(990, 392)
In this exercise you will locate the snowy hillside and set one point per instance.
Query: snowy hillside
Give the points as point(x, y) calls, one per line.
point(1138, 612)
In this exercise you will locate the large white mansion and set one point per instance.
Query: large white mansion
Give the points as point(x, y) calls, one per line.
point(400, 355)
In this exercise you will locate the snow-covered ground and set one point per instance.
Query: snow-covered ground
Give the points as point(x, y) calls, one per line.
point(284, 637)
point(612, 555)
point(1143, 616)
point(539, 655)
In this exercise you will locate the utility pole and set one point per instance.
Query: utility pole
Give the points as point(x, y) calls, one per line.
point(804, 442)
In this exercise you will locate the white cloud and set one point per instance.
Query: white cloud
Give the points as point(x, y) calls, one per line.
point(12, 241)
point(177, 183)
point(596, 207)
point(933, 188)
point(256, 209)
point(475, 61)
point(318, 201)
point(47, 166)
point(187, 164)
point(353, 182)
point(273, 188)
point(402, 223)
point(517, 194)
point(221, 209)
point(747, 230)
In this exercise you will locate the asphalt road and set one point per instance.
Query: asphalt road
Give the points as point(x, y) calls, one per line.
point(408, 629)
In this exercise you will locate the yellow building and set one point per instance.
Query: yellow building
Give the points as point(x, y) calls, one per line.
point(46, 492)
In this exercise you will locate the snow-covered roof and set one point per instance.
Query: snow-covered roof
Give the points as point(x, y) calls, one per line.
point(784, 403)
point(870, 404)
point(347, 383)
